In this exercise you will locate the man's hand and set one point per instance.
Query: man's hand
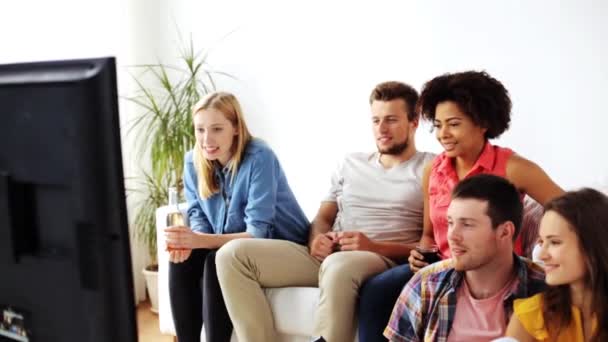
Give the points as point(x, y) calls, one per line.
point(180, 237)
point(179, 255)
point(322, 246)
point(355, 241)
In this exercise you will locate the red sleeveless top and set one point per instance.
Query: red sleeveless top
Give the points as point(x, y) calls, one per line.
point(443, 178)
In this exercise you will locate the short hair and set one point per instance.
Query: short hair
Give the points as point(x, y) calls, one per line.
point(504, 203)
point(480, 96)
point(393, 90)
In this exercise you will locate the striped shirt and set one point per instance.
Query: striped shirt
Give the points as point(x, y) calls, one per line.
point(426, 307)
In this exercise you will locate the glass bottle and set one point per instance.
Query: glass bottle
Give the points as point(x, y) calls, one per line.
point(174, 216)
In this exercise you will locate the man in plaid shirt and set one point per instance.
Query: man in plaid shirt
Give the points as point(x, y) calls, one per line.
point(469, 297)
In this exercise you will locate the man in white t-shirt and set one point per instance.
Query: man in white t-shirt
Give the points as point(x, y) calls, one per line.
point(368, 223)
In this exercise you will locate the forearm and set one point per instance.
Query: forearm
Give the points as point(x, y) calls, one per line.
point(215, 241)
point(318, 226)
point(427, 239)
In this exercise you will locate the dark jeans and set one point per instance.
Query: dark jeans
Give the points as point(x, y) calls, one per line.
point(377, 297)
point(196, 297)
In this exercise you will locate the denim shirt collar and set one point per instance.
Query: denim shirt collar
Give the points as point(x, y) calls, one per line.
point(221, 172)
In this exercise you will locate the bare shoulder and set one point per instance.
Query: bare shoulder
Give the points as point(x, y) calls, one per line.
point(517, 163)
point(530, 178)
point(520, 169)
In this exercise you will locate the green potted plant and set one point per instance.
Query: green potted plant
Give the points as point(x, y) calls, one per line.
point(163, 132)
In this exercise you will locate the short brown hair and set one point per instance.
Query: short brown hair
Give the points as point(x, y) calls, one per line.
point(393, 90)
point(502, 196)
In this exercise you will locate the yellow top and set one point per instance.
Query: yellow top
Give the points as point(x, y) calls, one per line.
point(530, 314)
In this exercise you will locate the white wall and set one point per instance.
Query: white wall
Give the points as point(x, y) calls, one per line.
point(305, 69)
point(67, 29)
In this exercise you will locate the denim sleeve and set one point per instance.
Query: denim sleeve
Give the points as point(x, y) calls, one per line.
point(197, 218)
point(262, 196)
point(405, 323)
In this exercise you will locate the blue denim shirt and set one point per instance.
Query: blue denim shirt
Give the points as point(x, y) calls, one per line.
point(258, 201)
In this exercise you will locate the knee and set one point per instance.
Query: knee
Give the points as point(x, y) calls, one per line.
point(337, 270)
point(230, 252)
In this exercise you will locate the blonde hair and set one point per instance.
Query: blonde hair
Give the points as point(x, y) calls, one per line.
point(230, 107)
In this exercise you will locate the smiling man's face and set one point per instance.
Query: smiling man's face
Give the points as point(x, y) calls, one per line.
point(472, 240)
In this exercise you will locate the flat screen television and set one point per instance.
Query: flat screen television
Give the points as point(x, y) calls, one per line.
point(65, 263)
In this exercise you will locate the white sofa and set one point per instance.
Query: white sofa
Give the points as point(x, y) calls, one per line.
point(293, 307)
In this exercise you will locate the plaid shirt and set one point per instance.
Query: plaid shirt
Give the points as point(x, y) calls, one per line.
point(426, 307)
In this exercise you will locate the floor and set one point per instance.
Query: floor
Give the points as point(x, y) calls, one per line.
point(147, 325)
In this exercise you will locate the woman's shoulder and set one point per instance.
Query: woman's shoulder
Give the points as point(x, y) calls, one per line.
point(256, 145)
point(518, 167)
point(529, 311)
point(501, 150)
point(258, 149)
point(519, 161)
point(528, 305)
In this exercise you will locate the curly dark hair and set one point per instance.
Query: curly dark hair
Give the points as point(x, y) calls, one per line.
point(393, 90)
point(480, 96)
point(587, 212)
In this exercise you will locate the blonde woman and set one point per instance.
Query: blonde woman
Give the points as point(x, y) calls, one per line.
point(235, 188)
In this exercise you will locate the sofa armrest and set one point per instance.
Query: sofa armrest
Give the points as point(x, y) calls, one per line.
point(165, 316)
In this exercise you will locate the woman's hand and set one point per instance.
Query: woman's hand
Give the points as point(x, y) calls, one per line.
point(180, 237)
point(179, 255)
point(416, 261)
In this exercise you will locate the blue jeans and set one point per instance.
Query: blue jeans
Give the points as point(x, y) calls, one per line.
point(377, 297)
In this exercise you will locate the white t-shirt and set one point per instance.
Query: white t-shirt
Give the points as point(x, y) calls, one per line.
point(384, 204)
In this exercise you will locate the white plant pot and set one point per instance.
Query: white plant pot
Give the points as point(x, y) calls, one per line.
point(152, 285)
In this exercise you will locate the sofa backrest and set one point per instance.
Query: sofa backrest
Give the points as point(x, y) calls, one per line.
point(533, 212)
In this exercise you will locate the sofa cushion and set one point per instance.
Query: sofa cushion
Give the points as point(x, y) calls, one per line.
point(293, 308)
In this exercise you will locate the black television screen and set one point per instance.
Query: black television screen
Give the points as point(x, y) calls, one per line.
point(65, 263)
